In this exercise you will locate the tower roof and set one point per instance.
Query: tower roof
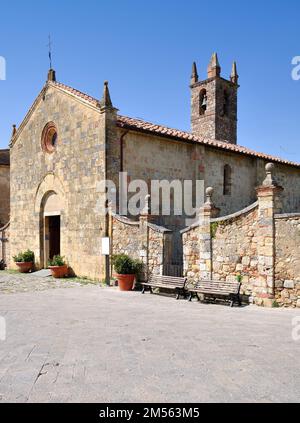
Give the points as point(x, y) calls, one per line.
point(214, 68)
point(194, 77)
point(234, 75)
point(106, 100)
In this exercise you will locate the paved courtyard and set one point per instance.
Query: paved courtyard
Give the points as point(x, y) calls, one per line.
point(93, 344)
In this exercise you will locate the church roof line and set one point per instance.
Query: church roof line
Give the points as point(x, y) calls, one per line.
point(140, 125)
point(151, 128)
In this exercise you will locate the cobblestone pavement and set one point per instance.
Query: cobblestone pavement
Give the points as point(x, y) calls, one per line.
point(93, 344)
point(11, 283)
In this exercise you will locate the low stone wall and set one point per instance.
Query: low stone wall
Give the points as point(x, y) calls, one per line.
point(159, 253)
point(191, 253)
point(234, 248)
point(125, 236)
point(287, 264)
point(257, 242)
point(142, 240)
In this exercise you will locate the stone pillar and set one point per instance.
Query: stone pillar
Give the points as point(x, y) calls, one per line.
point(268, 204)
point(145, 217)
point(206, 213)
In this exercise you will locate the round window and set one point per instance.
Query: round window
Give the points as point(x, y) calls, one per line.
point(49, 138)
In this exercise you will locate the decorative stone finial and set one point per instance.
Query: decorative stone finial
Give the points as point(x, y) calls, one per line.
point(194, 77)
point(234, 75)
point(106, 102)
point(51, 75)
point(214, 68)
point(215, 61)
point(209, 193)
point(270, 167)
point(209, 208)
point(269, 180)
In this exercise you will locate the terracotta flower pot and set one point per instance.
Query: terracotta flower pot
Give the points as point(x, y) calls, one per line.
point(59, 271)
point(25, 267)
point(126, 282)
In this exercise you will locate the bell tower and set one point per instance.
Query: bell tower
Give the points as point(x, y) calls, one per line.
point(214, 103)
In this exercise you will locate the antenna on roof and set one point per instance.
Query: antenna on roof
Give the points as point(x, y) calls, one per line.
point(49, 45)
point(51, 73)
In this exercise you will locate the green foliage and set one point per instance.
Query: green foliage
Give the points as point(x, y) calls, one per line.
point(213, 228)
point(57, 261)
point(275, 304)
point(25, 257)
point(239, 278)
point(125, 265)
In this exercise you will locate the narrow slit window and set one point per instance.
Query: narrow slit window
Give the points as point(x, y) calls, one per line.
point(227, 180)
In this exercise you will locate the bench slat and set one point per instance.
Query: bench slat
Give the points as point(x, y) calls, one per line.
point(216, 287)
point(166, 282)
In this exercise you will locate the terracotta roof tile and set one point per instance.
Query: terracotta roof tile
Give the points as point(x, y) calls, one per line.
point(148, 127)
point(140, 125)
point(93, 101)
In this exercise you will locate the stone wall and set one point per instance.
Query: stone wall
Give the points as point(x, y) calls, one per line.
point(141, 240)
point(125, 236)
point(256, 242)
point(149, 158)
point(5, 244)
point(73, 172)
point(176, 160)
point(234, 247)
point(159, 253)
point(4, 194)
point(214, 123)
point(287, 267)
point(191, 253)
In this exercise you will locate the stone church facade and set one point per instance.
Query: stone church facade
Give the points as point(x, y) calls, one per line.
point(69, 142)
point(4, 187)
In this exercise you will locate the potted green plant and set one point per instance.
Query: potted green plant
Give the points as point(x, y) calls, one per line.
point(24, 261)
point(127, 270)
point(58, 266)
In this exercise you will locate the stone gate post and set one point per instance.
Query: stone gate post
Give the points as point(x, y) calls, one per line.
point(206, 213)
point(145, 217)
point(268, 205)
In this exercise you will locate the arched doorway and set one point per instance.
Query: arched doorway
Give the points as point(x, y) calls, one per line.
point(50, 231)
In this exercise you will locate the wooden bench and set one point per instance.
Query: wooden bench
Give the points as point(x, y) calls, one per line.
point(166, 282)
point(216, 289)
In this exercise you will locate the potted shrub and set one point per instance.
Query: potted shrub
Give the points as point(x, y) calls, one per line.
point(24, 261)
point(127, 270)
point(59, 268)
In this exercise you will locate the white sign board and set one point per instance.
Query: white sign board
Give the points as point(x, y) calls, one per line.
point(105, 246)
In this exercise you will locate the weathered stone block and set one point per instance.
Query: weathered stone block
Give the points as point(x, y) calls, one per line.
point(289, 284)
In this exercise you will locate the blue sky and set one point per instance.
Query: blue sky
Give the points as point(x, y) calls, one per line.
point(146, 48)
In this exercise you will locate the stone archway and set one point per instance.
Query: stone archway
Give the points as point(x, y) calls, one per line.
point(50, 204)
